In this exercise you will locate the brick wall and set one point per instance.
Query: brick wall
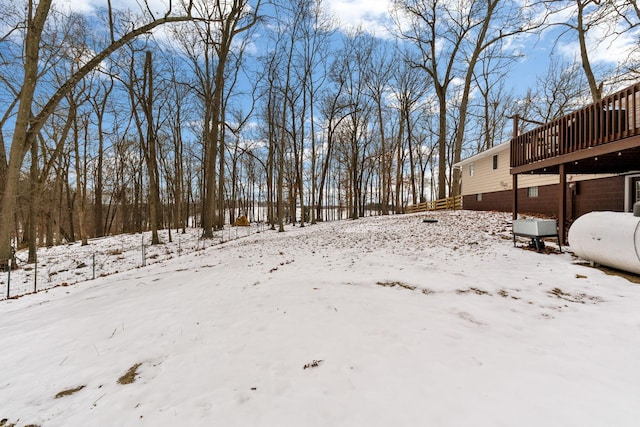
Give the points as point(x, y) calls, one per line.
point(592, 195)
point(605, 194)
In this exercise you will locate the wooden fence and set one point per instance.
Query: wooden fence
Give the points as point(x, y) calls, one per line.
point(436, 205)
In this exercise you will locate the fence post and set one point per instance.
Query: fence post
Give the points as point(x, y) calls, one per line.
point(94, 266)
point(9, 278)
point(143, 257)
point(35, 275)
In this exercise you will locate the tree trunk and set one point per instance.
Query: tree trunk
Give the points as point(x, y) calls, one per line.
point(384, 199)
point(71, 203)
point(22, 139)
point(81, 182)
point(464, 103)
point(399, 169)
point(596, 91)
point(442, 144)
point(99, 222)
point(412, 164)
point(150, 152)
point(34, 203)
point(221, 167)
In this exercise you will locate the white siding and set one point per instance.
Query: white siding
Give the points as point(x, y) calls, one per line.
point(485, 179)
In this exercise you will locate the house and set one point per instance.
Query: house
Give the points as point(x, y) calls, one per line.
point(586, 161)
point(487, 184)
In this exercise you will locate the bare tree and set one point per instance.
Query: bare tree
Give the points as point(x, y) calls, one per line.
point(449, 38)
point(177, 180)
point(317, 32)
point(410, 89)
point(140, 115)
point(149, 148)
point(625, 24)
point(334, 110)
point(353, 62)
point(100, 102)
point(560, 91)
point(490, 111)
point(580, 18)
point(29, 120)
point(234, 18)
point(81, 132)
point(378, 81)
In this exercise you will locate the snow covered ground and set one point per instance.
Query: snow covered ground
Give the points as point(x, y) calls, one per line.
point(72, 263)
point(383, 321)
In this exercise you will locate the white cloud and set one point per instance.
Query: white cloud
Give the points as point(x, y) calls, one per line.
point(369, 15)
point(158, 7)
point(603, 48)
point(608, 42)
point(76, 6)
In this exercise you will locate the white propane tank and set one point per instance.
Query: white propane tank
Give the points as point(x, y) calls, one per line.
point(608, 238)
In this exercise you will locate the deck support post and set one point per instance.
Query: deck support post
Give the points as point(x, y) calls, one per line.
point(562, 200)
point(516, 120)
point(515, 196)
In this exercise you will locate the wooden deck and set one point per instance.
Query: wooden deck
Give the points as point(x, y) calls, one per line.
point(599, 132)
point(603, 137)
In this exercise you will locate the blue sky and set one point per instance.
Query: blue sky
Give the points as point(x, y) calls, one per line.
point(374, 16)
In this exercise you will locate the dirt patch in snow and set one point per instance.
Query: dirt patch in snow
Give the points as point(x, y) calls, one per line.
point(130, 375)
point(4, 423)
point(393, 284)
point(390, 284)
point(577, 298)
point(504, 294)
point(69, 392)
point(313, 364)
point(472, 290)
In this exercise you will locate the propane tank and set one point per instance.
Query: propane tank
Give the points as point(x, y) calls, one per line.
point(608, 238)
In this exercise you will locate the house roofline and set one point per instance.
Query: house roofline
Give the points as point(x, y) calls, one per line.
point(481, 155)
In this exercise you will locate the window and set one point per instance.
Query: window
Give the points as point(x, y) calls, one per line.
point(533, 191)
point(638, 191)
point(495, 162)
point(479, 197)
point(471, 169)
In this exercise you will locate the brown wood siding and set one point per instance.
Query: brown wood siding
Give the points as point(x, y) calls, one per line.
point(604, 194)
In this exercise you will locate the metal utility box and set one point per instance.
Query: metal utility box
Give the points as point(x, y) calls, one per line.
point(536, 229)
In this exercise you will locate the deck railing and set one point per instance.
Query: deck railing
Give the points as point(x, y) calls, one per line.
point(613, 118)
point(436, 205)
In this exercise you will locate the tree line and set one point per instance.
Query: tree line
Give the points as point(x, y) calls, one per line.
point(119, 121)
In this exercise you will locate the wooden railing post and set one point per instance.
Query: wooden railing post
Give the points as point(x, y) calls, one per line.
point(608, 120)
point(562, 208)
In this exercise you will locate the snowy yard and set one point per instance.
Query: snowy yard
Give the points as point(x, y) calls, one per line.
point(383, 321)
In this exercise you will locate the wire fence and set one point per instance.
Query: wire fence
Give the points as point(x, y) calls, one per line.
point(73, 263)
